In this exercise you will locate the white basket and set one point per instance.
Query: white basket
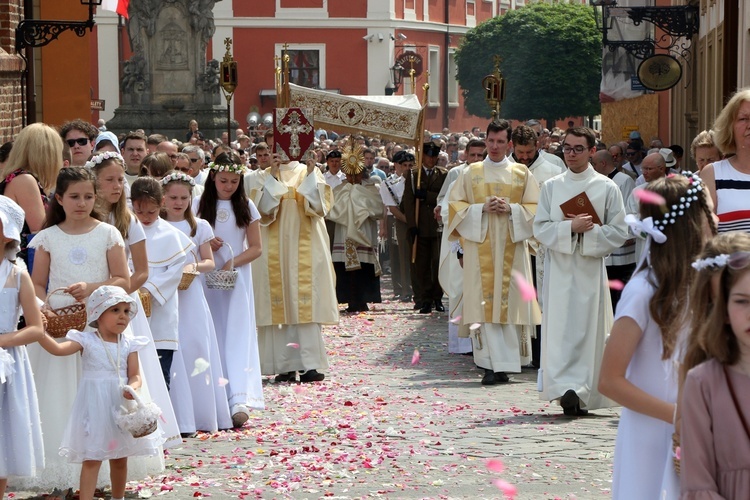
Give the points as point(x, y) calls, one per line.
point(141, 421)
point(223, 280)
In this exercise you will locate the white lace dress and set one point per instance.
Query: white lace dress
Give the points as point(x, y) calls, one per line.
point(73, 258)
point(91, 432)
point(21, 449)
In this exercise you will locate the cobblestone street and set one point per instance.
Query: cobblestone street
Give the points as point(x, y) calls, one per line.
point(380, 426)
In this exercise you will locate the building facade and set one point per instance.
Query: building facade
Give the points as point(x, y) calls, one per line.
point(11, 69)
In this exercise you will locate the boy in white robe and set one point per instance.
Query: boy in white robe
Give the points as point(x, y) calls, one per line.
point(577, 305)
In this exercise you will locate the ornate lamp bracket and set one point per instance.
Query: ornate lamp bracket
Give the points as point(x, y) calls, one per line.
point(35, 33)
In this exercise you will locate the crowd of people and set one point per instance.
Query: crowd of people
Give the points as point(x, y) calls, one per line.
point(138, 268)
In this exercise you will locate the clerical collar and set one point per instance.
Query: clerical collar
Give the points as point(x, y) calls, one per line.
point(501, 163)
point(612, 174)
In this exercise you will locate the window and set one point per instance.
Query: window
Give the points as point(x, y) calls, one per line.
point(306, 64)
point(433, 96)
point(471, 14)
point(452, 82)
point(304, 68)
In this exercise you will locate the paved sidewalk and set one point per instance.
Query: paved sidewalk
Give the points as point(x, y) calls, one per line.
point(380, 427)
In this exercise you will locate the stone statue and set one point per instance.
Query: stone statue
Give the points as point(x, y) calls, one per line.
point(167, 82)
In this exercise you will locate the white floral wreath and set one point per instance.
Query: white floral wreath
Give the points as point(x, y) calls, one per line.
point(717, 262)
point(229, 167)
point(107, 155)
point(678, 209)
point(177, 177)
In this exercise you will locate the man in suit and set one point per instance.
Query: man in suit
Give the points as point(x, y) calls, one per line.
point(425, 228)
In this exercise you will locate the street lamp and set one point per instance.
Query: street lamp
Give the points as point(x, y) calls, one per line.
point(228, 81)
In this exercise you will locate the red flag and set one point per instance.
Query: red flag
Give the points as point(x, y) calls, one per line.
point(119, 6)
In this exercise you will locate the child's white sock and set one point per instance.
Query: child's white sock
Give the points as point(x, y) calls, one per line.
point(113, 498)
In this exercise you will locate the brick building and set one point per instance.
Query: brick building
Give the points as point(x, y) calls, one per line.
point(11, 67)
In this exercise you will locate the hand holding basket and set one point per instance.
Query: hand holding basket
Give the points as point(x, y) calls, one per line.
point(220, 279)
point(189, 276)
point(63, 319)
point(141, 421)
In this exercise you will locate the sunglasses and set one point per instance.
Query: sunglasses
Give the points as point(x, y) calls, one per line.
point(738, 260)
point(81, 141)
point(194, 160)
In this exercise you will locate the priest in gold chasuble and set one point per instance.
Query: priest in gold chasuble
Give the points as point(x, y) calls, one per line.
point(491, 210)
point(293, 279)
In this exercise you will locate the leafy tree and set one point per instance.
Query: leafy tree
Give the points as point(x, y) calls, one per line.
point(551, 61)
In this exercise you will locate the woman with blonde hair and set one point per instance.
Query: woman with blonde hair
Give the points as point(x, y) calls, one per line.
point(728, 180)
point(703, 149)
point(30, 173)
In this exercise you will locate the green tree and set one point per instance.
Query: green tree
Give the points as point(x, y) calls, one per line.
point(551, 61)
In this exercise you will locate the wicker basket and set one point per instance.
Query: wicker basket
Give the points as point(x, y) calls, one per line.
point(141, 421)
point(63, 319)
point(189, 276)
point(223, 280)
point(675, 459)
point(145, 302)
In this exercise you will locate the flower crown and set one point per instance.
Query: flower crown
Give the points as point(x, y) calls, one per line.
point(655, 228)
point(177, 177)
point(717, 262)
point(678, 209)
point(228, 167)
point(98, 159)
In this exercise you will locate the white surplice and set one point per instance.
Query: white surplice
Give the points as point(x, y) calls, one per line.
point(577, 305)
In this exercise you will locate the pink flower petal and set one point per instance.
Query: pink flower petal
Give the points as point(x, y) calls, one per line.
point(474, 326)
point(293, 345)
point(112, 445)
point(616, 285)
point(678, 453)
point(528, 293)
point(508, 489)
point(649, 197)
point(223, 381)
point(456, 320)
point(495, 465)
point(415, 357)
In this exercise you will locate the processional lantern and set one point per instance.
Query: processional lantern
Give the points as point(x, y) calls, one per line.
point(494, 89)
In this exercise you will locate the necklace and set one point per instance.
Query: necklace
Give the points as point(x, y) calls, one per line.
point(116, 366)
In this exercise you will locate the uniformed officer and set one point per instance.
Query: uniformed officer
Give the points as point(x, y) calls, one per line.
point(425, 227)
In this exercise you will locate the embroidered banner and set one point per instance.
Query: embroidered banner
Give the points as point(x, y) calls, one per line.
point(293, 133)
point(388, 117)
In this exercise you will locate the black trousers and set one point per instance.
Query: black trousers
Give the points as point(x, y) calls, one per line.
point(427, 287)
point(622, 273)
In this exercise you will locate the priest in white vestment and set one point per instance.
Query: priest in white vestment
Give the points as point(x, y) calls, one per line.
point(491, 210)
point(450, 272)
point(577, 305)
point(293, 279)
point(356, 213)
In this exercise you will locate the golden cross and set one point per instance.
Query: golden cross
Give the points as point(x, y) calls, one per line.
point(228, 43)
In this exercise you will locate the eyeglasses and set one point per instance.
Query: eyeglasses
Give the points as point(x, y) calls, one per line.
point(194, 160)
point(569, 150)
point(183, 169)
point(81, 141)
point(631, 154)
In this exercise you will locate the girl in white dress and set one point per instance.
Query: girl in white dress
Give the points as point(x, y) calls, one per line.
point(110, 361)
point(21, 448)
point(236, 224)
point(640, 368)
point(112, 200)
point(201, 401)
point(77, 252)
